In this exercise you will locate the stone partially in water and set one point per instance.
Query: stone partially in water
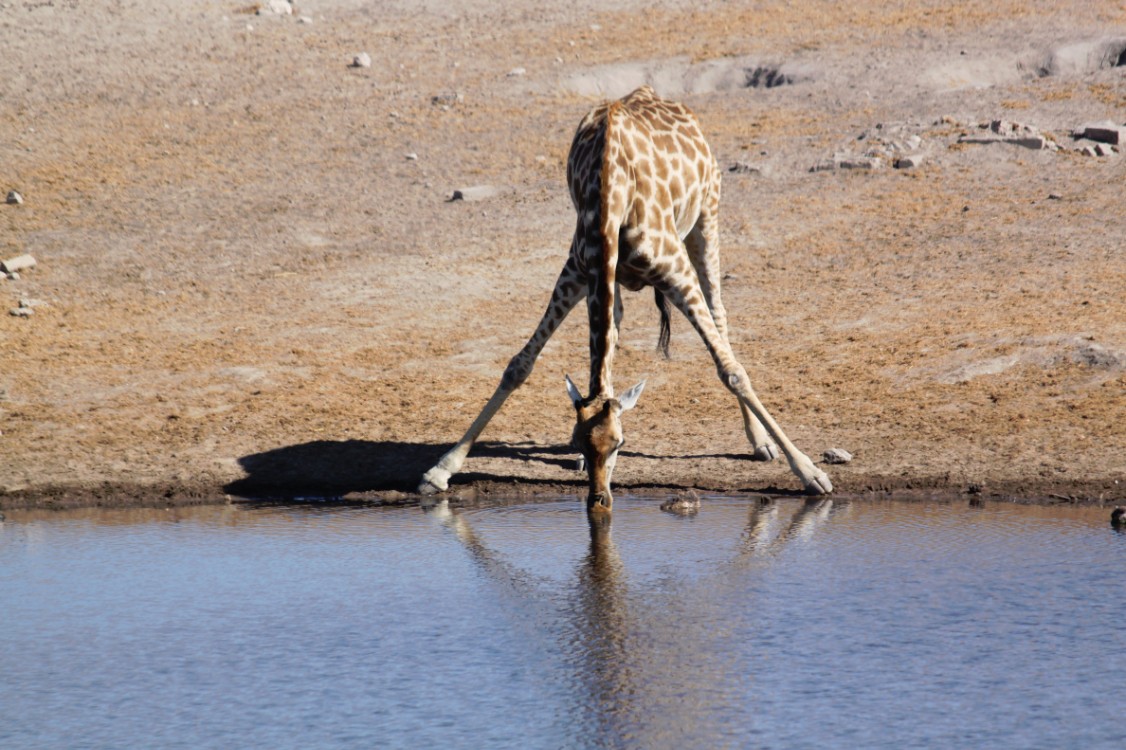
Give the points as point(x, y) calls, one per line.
point(687, 504)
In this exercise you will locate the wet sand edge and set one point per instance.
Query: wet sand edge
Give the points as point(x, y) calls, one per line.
point(1104, 492)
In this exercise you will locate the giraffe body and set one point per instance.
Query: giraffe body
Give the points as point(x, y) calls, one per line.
point(646, 191)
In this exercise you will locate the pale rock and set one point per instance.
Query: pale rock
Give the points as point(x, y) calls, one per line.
point(275, 8)
point(18, 263)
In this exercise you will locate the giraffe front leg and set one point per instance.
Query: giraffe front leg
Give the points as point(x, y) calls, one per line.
point(702, 245)
point(437, 479)
point(764, 448)
point(519, 368)
point(814, 480)
point(733, 375)
point(569, 289)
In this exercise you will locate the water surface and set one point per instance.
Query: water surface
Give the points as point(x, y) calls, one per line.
point(800, 624)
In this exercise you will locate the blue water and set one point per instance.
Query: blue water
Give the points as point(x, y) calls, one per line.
point(796, 625)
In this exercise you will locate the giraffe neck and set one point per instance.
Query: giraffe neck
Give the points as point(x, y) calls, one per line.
point(612, 205)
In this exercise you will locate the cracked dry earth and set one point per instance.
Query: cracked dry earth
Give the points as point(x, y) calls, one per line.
point(249, 280)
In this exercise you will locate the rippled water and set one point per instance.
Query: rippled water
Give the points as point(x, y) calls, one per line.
point(794, 625)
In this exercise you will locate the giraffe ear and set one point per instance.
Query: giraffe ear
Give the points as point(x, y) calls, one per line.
point(573, 392)
point(628, 400)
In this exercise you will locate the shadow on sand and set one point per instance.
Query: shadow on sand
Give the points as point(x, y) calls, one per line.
point(334, 468)
point(325, 469)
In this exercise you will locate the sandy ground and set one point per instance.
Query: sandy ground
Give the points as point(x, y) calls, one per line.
point(246, 285)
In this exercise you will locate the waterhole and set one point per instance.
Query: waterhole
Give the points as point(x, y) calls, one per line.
point(794, 624)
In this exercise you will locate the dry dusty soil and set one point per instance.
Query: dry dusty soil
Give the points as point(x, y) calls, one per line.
point(250, 282)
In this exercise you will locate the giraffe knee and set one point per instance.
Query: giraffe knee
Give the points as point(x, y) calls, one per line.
point(734, 377)
point(518, 370)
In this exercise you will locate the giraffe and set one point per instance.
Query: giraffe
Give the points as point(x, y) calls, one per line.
point(646, 191)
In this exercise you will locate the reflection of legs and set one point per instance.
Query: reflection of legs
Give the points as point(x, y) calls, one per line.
point(689, 299)
point(569, 289)
point(763, 535)
point(702, 244)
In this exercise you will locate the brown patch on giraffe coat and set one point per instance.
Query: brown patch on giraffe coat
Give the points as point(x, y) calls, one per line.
point(665, 143)
point(676, 188)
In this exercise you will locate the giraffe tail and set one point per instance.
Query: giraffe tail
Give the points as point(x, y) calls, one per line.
point(666, 324)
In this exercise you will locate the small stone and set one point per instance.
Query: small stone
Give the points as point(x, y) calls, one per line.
point(516, 73)
point(362, 60)
point(275, 8)
point(836, 456)
point(1055, 197)
point(863, 162)
point(21, 312)
point(1088, 151)
point(14, 198)
point(445, 100)
point(909, 162)
point(474, 193)
point(14, 276)
point(1003, 127)
point(18, 263)
point(742, 167)
point(304, 19)
point(1105, 132)
point(1034, 142)
point(412, 156)
point(684, 504)
point(1103, 149)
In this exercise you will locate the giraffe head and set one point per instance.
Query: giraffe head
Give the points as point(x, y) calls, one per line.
point(598, 436)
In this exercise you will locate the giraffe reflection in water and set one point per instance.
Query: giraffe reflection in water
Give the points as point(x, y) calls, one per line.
point(646, 659)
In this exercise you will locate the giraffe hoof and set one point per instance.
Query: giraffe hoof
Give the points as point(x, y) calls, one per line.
point(434, 481)
point(767, 452)
point(818, 484)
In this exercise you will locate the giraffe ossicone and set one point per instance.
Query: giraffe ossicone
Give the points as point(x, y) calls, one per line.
point(646, 191)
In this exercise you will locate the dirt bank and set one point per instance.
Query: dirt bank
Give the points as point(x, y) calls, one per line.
point(249, 280)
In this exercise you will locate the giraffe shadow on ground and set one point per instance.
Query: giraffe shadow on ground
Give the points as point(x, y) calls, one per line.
point(333, 468)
